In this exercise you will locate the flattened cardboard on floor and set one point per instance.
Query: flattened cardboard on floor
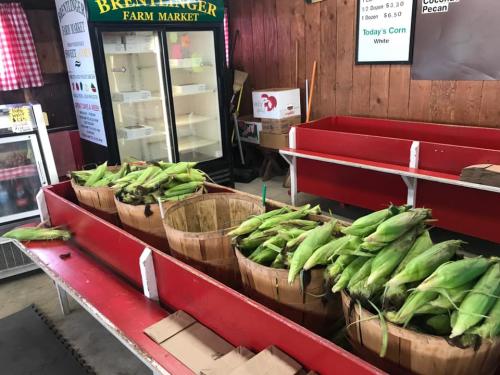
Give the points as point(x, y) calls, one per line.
point(190, 342)
point(271, 361)
point(169, 326)
point(229, 362)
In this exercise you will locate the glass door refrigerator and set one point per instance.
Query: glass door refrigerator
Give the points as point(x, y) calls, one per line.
point(162, 91)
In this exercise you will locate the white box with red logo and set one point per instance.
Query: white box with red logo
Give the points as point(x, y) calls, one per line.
point(276, 103)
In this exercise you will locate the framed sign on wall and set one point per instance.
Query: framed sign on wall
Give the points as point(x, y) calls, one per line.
point(385, 31)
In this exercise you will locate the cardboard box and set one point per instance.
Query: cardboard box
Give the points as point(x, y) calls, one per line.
point(274, 141)
point(189, 341)
point(276, 103)
point(249, 129)
point(281, 126)
point(229, 362)
point(484, 174)
point(268, 362)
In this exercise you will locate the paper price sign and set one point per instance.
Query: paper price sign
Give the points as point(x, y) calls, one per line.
point(20, 119)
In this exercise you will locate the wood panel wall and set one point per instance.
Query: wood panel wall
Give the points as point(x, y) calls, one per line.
point(270, 30)
point(55, 95)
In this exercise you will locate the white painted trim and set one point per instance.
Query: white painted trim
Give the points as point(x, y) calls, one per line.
point(63, 300)
point(148, 275)
point(293, 166)
point(42, 207)
point(412, 183)
point(45, 142)
point(414, 154)
point(470, 185)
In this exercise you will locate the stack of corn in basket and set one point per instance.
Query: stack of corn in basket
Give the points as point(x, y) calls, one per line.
point(417, 304)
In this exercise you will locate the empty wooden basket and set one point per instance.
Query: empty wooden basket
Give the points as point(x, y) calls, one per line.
point(412, 352)
point(197, 232)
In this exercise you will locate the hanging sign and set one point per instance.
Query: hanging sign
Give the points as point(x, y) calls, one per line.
point(156, 10)
point(80, 63)
point(385, 31)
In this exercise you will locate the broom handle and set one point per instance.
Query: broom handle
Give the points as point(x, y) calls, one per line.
point(311, 94)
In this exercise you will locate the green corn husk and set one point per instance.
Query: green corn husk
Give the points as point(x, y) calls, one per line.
point(276, 243)
point(396, 226)
point(478, 301)
point(254, 222)
point(366, 225)
point(164, 164)
point(279, 262)
point(192, 186)
point(454, 274)
point(321, 255)
point(299, 214)
point(263, 256)
point(336, 268)
point(414, 301)
point(368, 293)
point(315, 239)
point(361, 275)
point(426, 263)
point(299, 223)
point(422, 244)
point(348, 273)
point(438, 324)
point(97, 174)
point(490, 329)
point(448, 299)
point(37, 234)
point(191, 175)
point(181, 167)
point(248, 243)
point(293, 243)
point(147, 174)
point(389, 258)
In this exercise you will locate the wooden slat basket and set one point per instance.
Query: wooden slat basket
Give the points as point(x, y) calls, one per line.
point(197, 232)
point(145, 222)
point(411, 352)
point(98, 200)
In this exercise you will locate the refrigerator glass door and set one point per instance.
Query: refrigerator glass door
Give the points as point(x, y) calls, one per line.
point(135, 76)
point(195, 94)
point(21, 176)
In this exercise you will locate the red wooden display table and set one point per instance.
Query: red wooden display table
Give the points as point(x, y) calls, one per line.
point(371, 162)
point(103, 274)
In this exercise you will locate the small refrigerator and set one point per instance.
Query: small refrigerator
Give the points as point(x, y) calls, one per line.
point(162, 91)
point(26, 165)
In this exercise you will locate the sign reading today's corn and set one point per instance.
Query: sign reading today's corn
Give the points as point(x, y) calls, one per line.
point(156, 10)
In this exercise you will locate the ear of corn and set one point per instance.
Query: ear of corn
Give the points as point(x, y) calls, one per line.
point(478, 301)
point(263, 255)
point(396, 226)
point(339, 265)
point(299, 214)
point(366, 225)
point(426, 263)
point(439, 324)
point(348, 273)
point(321, 256)
point(414, 301)
point(454, 274)
point(491, 326)
point(422, 244)
point(37, 234)
point(315, 239)
point(361, 275)
point(97, 174)
point(388, 259)
point(254, 222)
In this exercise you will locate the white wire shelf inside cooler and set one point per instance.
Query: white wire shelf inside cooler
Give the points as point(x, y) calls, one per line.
point(193, 142)
point(194, 93)
point(191, 119)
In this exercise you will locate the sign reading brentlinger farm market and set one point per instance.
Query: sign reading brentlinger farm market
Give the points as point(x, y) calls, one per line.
point(385, 31)
point(80, 63)
point(156, 10)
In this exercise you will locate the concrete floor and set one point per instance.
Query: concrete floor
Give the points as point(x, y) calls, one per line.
point(99, 348)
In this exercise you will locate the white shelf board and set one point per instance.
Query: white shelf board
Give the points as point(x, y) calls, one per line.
point(186, 120)
point(194, 93)
point(151, 99)
point(192, 142)
point(129, 52)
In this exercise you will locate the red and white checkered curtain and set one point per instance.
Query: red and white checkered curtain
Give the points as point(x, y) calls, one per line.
point(19, 67)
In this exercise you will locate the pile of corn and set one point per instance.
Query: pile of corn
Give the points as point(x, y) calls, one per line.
point(286, 239)
point(398, 271)
point(146, 183)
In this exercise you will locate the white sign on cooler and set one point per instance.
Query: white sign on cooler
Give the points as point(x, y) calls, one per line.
point(72, 16)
